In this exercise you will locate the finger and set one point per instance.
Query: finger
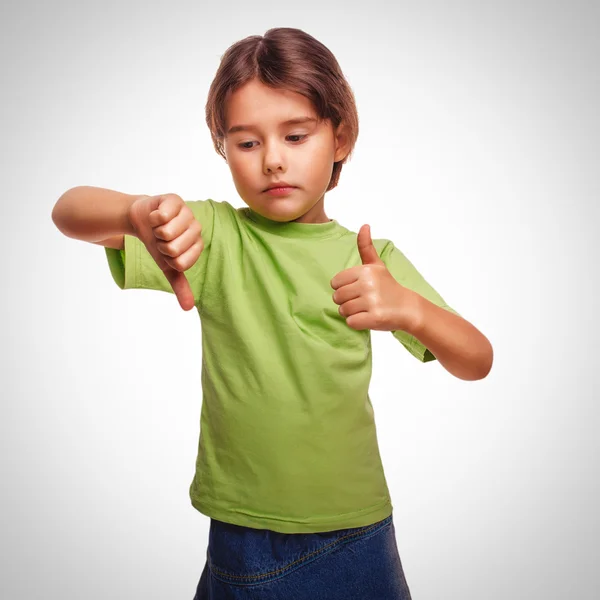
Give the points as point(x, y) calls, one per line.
point(178, 282)
point(346, 292)
point(366, 249)
point(182, 289)
point(352, 307)
point(185, 261)
point(359, 321)
point(164, 209)
point(181, 244)
point(345, 277)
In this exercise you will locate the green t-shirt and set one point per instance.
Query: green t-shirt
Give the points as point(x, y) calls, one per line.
point(287, 432)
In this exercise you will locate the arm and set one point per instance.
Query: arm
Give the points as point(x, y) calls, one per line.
point(457, 344)
point(117, 242)
point(95, 215)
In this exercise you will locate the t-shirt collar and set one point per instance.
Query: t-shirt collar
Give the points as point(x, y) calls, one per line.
point(293, 229)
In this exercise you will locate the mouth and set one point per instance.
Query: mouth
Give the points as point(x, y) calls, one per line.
point(280, 185)
point(281, 189)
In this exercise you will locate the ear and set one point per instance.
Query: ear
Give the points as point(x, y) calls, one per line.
point(342, 143)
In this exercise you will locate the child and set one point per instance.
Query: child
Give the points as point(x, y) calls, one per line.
point(288, 465)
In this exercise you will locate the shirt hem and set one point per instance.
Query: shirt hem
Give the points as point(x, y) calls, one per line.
point(281, 525)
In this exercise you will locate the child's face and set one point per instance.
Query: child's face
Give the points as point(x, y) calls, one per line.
point(301, 154)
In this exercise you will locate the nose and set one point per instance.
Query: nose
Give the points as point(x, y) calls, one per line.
point(273, 159)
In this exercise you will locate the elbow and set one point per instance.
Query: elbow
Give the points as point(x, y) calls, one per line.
point(60, 213)
point(490, 362)
point(56, 214)
point(486, 363)
point(479, 367)
point(57, 217)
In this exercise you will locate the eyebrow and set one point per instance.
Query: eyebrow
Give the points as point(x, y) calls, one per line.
point(295, 121)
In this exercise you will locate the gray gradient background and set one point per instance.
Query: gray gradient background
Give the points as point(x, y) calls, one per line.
point(478, 156)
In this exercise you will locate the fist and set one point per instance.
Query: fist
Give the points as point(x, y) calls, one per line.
point(173, 237)
point(368, 294)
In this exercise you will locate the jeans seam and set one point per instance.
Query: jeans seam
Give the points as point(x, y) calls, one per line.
point(311, 556)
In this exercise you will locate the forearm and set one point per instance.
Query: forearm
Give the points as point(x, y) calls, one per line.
point(457, 344)
point(93, 214)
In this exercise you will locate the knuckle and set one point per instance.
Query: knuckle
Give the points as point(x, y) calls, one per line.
point(177, 263)
point(164, 232)
point(171, 196)
point(369, 283)
point(164, 248)
point(368, 272)
point(168, 263)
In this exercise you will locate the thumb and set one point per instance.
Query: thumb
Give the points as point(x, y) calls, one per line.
point(144, 219)
point(181, 287)
point(366, 249)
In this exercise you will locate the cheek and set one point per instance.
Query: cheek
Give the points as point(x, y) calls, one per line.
point(239, 166)
point(319, 161)
point(322, 150)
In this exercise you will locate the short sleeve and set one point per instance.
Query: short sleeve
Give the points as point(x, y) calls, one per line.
point(405, 273)
point(133, 266)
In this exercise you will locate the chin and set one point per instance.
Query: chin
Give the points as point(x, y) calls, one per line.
point(282, 218)
point(277, 211)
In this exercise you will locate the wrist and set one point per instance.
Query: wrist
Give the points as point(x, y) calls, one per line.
point(131, 215)
point(414, 313)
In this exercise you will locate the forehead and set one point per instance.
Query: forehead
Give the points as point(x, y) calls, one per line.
point(257, 104)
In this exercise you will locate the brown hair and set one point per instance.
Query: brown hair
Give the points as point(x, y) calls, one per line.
point(290, 59)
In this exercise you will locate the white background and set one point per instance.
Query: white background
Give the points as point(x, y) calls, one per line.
point(478, 156)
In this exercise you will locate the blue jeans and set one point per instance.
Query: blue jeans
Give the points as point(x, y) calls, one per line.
point(361, 563)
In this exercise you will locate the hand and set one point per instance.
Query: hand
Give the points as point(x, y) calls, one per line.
point(172, 236)
point(369, 296)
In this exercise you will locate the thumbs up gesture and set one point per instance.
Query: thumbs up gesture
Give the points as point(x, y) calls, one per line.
point(369, 296)
point(172, 236)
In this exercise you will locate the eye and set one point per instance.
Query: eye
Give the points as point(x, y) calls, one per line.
point(244, 145)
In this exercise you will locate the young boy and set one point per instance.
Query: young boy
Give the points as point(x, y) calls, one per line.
point(288, 465)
